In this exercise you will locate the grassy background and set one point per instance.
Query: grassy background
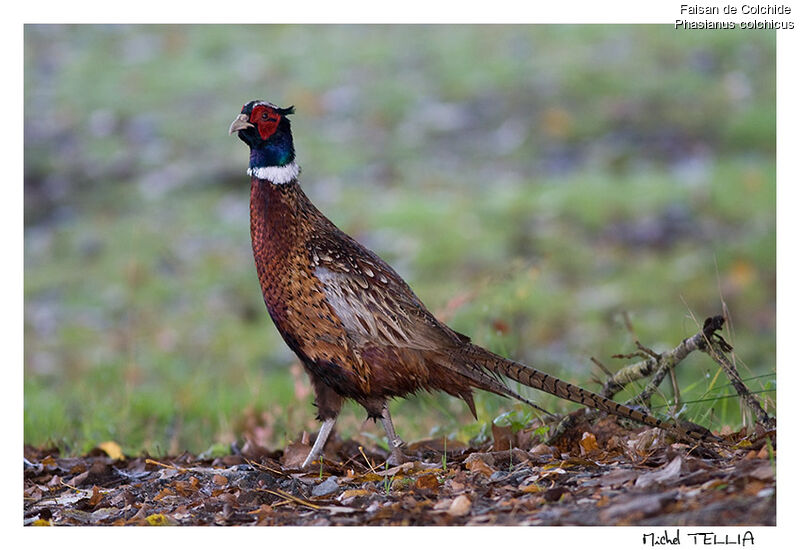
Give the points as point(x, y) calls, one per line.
point(537, 186)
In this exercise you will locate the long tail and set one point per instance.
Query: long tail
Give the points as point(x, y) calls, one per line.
point(473, 355)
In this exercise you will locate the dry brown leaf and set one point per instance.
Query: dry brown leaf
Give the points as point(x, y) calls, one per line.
point(427, 481)
point(264, 514)
point(295, 454)
point(165, 492)
point(480, 462)
point(645, 442)
point(542, 449)
point(96, 497)
point(460, 507)
point(456, 486)
point(219, 480)
point(588, 443)
point(501, 436)
point(368, 477)
point(185, 488)
point(253, 451)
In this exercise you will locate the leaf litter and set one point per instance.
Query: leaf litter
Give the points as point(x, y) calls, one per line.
point(601, 474)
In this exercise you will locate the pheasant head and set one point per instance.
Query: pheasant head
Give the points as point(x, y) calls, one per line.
point(265, 128)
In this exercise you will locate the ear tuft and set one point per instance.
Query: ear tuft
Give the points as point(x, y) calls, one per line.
point(287, 111)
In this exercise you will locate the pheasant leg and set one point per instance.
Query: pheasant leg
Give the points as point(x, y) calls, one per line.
point(395, 443)
point(319, 443)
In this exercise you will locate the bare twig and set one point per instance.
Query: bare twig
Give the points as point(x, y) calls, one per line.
point(676, 391)
point(660, 364)
point(601, 366)
point(169, 466)
point(716, 348)
point(289, 496)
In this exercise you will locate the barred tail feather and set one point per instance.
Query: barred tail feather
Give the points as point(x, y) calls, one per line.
point(539, 380)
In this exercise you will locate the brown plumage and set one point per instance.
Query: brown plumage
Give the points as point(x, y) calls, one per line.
point(358, 328)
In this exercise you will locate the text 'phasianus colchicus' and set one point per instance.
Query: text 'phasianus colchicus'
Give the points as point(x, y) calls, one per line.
point(358, 328)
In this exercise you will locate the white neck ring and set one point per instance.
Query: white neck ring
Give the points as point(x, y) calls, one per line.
point(279, 175)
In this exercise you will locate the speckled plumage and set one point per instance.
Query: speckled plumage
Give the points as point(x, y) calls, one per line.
point(358, 328)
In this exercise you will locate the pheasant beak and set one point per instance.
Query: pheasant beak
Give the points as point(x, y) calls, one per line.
point(239, 123)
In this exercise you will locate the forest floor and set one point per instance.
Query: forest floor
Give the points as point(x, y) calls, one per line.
point(600, 474)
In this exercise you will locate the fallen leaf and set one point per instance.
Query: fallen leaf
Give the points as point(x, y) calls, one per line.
point(295, 454)
point(112, 449)
point(554, 494)
point(588, 443)
point(443, 504)
point(614, 478)
point(158, 519)
point(428, 481)
point(541, 449)
point(165, 492)
point(253, 451)
point(369, 477)
point(667, 474)
point(96, 472)
point(636, 506)
point(480, 462)
point(763, 473)
point(552, 470)
point(219, 480)
point(456, 486)
point(460, 507)
point(501, 435)
point(352, 493)
point(185, 488)
point(96, 497)
point(643, 443)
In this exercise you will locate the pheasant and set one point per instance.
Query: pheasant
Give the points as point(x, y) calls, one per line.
point(359, 330)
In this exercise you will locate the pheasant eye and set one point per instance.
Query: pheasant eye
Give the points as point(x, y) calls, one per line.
point(264, 116)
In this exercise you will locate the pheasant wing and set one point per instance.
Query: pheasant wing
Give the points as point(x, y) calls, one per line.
point(375, 305)
point(386, 320)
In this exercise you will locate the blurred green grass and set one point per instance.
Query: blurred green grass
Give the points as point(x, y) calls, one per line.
point(537, 186)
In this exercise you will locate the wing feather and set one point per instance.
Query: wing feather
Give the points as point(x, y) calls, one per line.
point(373, 302)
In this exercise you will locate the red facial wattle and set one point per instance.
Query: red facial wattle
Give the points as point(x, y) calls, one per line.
point(266, 120)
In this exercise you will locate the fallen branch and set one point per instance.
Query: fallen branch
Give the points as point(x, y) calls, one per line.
point(716, 348)
point(660, 364)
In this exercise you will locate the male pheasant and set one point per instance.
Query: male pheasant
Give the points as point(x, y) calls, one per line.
point(358, 328)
